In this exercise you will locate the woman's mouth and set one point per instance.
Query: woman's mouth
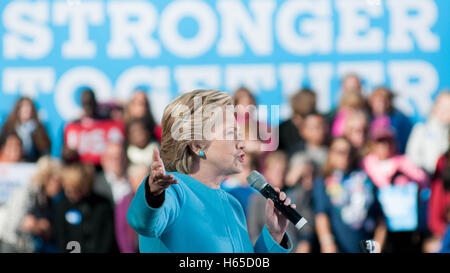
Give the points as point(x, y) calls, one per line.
point(241, 158)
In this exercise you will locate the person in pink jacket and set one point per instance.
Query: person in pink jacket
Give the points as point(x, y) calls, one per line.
point(385, 167)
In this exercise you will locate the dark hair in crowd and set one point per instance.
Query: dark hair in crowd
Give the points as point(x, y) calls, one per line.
point(243, 91)
point(4, 137)
point(41, 140)
point(304, 102)
point(328, 168)
point(148, 118)
point(386, 91)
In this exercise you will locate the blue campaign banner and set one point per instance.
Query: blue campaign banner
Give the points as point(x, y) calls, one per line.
point(49, 49)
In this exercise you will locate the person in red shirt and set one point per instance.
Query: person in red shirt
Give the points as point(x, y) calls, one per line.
point(439, 206)
point(85, 139)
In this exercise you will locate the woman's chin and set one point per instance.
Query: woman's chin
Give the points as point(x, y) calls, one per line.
point(237, 168)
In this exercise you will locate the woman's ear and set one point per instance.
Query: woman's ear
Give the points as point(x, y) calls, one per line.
point(198, 149)
point(195, 148)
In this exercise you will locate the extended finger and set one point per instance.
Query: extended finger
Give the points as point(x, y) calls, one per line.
point(156, 157)
point(156, 165)
point(157, 170)
point(277, 189)
point(163, 176)
point(167, 183)
point(166, 180)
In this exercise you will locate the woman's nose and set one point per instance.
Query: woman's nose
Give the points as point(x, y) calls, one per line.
point(240, 145)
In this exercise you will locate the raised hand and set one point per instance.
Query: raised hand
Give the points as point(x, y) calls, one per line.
point(159, 180)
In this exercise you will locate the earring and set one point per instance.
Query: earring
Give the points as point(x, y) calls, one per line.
point(201, 153)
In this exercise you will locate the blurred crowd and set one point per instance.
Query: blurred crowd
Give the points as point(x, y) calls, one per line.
point(361, 171)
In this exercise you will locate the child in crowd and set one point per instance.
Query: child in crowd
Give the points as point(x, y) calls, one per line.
point(386, 169)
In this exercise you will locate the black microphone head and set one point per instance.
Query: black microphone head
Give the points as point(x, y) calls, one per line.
point(256, 180)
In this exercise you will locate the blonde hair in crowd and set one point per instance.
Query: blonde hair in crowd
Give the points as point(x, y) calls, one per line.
point(176, 153)
point(46, 167)
point(79, 175)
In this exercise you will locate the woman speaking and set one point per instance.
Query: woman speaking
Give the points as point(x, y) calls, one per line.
point(181, 201)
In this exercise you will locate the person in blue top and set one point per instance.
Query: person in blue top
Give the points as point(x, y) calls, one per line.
point(185, 207)
point(345, 203)
point(382, 107)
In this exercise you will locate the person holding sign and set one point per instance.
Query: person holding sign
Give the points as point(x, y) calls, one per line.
point(399, 182)
point(87, 137)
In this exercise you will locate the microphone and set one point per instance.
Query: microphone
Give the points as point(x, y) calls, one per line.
point(258, 182)
point(369, 246)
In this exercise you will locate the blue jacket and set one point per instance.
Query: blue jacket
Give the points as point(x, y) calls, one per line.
point(195, 218)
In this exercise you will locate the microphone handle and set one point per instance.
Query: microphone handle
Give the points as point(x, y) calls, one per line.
point(290, 213)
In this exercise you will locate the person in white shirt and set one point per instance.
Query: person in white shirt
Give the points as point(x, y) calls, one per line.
point(429, 140)
point(112, 182)
point(140, 143)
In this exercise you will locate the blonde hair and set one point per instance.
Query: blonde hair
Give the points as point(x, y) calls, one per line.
point(356, 115)
point(79, 175)
point(176, 153)
point(46, 167)
point(352, 100)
